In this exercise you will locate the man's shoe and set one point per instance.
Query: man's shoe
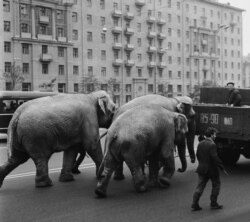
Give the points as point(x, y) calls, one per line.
point(216, 206)
point(196, 207)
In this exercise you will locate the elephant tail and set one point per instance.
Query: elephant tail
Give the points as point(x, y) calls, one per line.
point(104, 134)
point(12, 138)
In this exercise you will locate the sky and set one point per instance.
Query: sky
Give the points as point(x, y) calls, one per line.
point(243, 4)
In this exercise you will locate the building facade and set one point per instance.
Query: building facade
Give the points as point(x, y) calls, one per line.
point(144, 46)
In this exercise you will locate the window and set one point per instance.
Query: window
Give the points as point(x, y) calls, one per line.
point(102, 4)
point(76, 87)
point(74, 17)
point(89, 36)
point(61, 87)
point(25, 48)
point(128, 98)
point(90, 70)
point(170, 60)
point(7, 46)
point(103, 71)
point(169, 18)
point(7, 67)
point(139, 56)
point(139, 71)
point(116, 87)
point(179, 74)
point(75, 52)
point(90, 54)
point(179, 90)
point(75, 70)
point(89, 3)
point(138, 10)
point(104, 87)
point(60, 32)
point(169, 4)
point(169, 32)
point(59, 15)
point(61, 69)
point(25, 28)
point(160, 88)
point(103, 21)
point(187, 75)
point(6, 26)
point(60, 52)
point(45, 68)
point(150, 88)
point(116, 71)
point(26, 86)
point(75, 35)
point(6, 5)
point(128, 71)
point(128, 88)
point(103, 55)
point(26, 68)
point(89, 19)
point(170, 76)
point(103, 37)
point(138, 27)
point(44, 49)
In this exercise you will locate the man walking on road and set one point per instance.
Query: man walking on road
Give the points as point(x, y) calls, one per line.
point(207, 169)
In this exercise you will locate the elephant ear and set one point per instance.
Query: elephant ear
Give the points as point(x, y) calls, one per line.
point(101, 103)
point(181, 123)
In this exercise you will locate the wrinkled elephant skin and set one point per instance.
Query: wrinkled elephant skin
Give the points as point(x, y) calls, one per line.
point(64, 122)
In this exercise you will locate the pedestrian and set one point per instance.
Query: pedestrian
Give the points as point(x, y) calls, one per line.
point(208, 169)
point(234, 96)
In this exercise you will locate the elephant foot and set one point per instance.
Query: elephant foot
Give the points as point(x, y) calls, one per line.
point(44, 182)
point(66, 177)
point(164, 182)
point(100, 193)
point(141, 189)
point(192, 159)
point(119, 177)
point(153, 183)
point(75, 171)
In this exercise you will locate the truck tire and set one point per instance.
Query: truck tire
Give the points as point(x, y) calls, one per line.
point(229, 156)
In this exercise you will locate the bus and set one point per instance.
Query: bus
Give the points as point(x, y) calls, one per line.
point(10, 101)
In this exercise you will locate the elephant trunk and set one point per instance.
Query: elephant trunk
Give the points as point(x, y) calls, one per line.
point(190, 135)
point(181, 146)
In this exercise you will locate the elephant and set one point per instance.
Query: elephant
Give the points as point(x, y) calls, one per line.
point(143, 133)
point(63, 122)
point(181, 104)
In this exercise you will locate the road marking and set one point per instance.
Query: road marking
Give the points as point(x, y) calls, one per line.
point(54, 170)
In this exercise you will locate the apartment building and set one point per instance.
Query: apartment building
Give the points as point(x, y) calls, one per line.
point(147, 46)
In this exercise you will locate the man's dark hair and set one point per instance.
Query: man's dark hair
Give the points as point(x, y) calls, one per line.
point(210, 131)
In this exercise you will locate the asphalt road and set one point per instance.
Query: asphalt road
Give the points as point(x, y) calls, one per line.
point(76, 201)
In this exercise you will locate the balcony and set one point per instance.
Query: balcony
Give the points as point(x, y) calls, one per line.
point(162, 65)
point(152, 49)
point(129, 16)
point(129, 47)
point(205, 68)
point(26, 35)
point(140, 2)
point(129, 62)
point(45, 37)
point(44, 19)
point(161, 21)
point(129, 31)
point(161, 36)
point(46, 58)
point(151, 34)
point(161, 50)
point(117, 45)
point(117, 13)
point(151, 19)
point(117, 29)
point(117, 62)
point(151, 64)
point(61, 39)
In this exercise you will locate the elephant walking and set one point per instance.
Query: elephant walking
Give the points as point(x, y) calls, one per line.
point(63, 122)
point(144, 133)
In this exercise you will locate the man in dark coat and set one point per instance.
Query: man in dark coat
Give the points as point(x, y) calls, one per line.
point(234, 96)
point(209, 162)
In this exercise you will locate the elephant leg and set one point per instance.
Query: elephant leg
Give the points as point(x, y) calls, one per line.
point(42, 172)
point(168, 169)
point(137, 173)
point(109, 166)
point(97, 157)
point(78, 161)
point(119, 172)
point(69, 157)
point(17, 158)
point(153, 171)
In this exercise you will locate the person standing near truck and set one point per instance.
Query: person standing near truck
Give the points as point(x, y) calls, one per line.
point(208, 169)
point(234, 96)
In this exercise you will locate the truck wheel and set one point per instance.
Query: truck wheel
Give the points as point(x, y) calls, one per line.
point(229, 156)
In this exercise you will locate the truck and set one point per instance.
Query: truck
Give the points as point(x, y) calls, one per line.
point(232, 123)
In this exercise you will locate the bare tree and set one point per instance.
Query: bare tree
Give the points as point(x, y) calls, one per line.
point(89, 84)
point(48, 86)
point(15, 76)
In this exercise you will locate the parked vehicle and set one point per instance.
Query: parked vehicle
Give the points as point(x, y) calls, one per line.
point(232, 123)
point(11, 100)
